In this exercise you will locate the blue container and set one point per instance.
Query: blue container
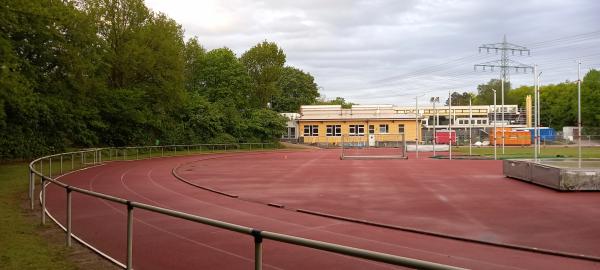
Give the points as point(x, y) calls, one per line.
point(546, 134)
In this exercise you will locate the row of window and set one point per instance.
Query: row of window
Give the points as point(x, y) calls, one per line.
point(353, 130)
point(473, 122)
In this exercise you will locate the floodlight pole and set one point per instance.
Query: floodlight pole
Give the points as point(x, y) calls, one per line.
point(495, 139)
point(579, 113)
point(417, 125)
point(502, 113)
point(470, 126)
point(535, 113)
point(539, 135)
point(450, 124)
point(434, 115)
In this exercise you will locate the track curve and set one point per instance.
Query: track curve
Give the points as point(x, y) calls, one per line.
point(166, 243)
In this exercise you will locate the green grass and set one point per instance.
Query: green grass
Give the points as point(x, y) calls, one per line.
point(22, 246)
point(527, 152)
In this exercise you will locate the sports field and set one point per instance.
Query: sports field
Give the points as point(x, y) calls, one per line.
point(458, 212)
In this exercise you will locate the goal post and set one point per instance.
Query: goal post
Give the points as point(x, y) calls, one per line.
point(373, 146)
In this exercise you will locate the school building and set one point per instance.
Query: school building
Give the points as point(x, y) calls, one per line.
point(330, 124)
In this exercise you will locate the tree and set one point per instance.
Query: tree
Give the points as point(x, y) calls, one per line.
point(47, 72)
point(335, 101)
point(223, 79)
point(485, 94)
point(264, 125)
point(459, 99)
point(144, 56)
point(264, 63)
point(297, 88)
point(590, 98)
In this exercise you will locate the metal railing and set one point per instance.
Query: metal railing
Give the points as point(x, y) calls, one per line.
point(92, 157)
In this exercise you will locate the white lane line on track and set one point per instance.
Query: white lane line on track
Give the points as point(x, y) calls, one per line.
point(176, 235)
point(305, 228)
point(319, 229)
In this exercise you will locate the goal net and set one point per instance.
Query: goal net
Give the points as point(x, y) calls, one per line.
point(373, 146)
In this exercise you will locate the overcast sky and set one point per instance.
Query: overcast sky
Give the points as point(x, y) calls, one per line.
point(389, 51)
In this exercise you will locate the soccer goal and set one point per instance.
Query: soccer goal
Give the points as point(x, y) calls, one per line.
point(373, 146)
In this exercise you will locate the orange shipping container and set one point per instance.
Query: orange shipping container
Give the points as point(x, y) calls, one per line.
point(511, 137)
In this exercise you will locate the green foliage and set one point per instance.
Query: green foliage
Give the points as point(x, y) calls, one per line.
point(485, 93)
point(558, 105)
point(264, 125)
point(336, 101)
point(297, 88)
point(112, 72)
point(264, 63)
point(459, 99)
point(590, 98)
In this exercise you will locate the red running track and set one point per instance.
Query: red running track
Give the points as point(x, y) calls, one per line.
point(464, 198)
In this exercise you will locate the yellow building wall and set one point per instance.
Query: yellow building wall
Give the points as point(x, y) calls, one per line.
point(393, 130)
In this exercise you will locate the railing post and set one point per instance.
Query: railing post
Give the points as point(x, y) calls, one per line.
point(100, 156)
point(129, 235)
point(50, 168)
point(69, 216)
point(81, 165)
point(32, 188)
point(61, 164)
point(43, 202)
point(162, 151)
point(72, 161)
point(257, 249)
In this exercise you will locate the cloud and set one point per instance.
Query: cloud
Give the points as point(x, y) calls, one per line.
point(352, 47)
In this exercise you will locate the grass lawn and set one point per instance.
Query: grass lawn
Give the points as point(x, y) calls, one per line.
point(527, 152)
point(21, 242)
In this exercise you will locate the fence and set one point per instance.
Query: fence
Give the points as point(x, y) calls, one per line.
point(95, 156)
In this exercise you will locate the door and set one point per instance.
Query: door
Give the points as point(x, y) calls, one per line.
point(371, 139)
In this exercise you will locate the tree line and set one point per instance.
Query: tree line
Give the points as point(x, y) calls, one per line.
point(115, 73)
point(558, 102)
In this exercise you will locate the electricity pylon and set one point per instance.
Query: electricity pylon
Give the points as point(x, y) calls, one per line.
point(504, 63)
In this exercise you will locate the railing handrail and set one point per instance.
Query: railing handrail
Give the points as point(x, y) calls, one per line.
point(258, 235)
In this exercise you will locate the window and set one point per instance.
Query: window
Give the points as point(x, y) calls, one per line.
point(356, 130)
point(292, 133)
point(401, 128)
point(311, 130)
point(334, 130)
point(371, 129)
point(383, 128)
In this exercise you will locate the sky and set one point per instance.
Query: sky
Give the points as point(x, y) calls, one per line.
point(391, 51)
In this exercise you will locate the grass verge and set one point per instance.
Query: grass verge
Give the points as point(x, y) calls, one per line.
point(527, 152)
point(23, 246)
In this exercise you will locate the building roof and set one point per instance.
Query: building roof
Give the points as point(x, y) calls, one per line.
point(357, 112)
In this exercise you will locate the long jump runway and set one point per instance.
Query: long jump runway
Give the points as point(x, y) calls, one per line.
point(466, 199)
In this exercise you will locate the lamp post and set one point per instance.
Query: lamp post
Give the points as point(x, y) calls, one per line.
point(417, 126)
point(434, 100)
point(495, 139)
point(535, 113)
point(502, 113)
point(470, 126)
point(579, 113)
point(450, 124)
point(537, 125)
